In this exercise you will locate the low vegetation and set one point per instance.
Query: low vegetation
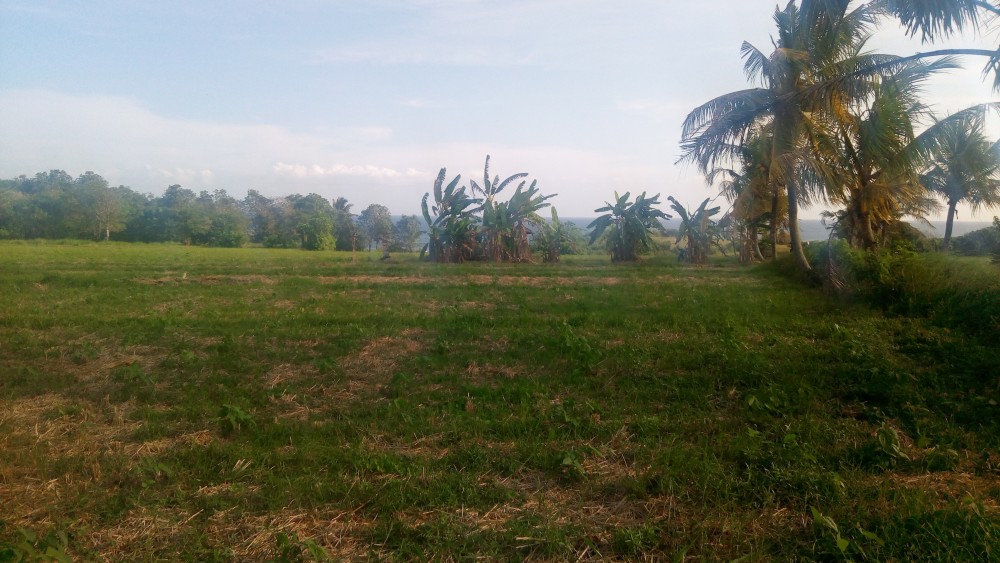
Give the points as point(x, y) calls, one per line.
point(172, 402)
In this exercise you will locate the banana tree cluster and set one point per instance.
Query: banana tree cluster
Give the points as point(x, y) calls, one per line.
point(464, 227)
point(505, 224)
point(626, 226)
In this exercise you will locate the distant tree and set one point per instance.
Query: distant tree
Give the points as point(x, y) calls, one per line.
point(106, 205)
point(346, 229)
point(229, 225)
point(375, 222)
point(405, 233)
point(314, 222)
point(626, 226)
point(11, 202)
point(263, 216)
point(962, 165)
point(173, 215)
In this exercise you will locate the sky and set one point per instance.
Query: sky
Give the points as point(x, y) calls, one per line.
point(369, 99)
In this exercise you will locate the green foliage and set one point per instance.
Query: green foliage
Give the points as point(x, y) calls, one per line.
point(626, 227)
point(982, 242)
point(962, 165)
point(405, 233)
point(505, 225)
point(451, 221)
point(500, 233)
point(291, 549)
point(375, 223)
point(314, 218)
point(233, 419)
point(31, 547)
point(555, 238)
point(698, 228)
point(954, 292)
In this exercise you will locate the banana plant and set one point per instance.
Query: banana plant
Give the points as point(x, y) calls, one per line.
point(490, 189)
point(698, 228)
point(451, 221)
point(626, 226)
point(506, 224)
point(552, 237)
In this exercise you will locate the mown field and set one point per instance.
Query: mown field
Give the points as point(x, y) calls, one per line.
point(175, 403)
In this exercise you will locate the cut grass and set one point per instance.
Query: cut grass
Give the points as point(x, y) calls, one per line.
point(167, 402)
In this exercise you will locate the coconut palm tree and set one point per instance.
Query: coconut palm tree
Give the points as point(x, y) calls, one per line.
point(963, 165)
point(938, 19)
point(755, 207)
point(794, 84)
point(865, 156)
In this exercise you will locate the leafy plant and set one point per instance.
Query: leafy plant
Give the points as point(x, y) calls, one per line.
point(450, 221)
point(626, 226)
point(555, 238)
point(232, 419)
point(698, 228)
point(888, 440)
point(31, 547)
point(291, 549)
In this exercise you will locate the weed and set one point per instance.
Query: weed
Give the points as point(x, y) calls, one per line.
point(291, 549)
point(233, 419)
point(31, 546)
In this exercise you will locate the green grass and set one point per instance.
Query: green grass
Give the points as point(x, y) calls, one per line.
point(168, 402)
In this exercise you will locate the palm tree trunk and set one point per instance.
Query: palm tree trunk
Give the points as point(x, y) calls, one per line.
point(950, 224)
point(774, 225)
point(793, 230)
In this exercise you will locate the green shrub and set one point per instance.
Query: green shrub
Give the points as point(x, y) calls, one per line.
point(983, 242)
point(952, 292)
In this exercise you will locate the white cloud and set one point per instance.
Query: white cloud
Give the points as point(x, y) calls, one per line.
point(364, 170)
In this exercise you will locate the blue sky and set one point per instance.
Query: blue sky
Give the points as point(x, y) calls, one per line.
point(369, 99)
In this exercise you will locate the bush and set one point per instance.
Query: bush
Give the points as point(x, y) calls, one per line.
point(983, 242)
point(958, 293)
point(904, 236)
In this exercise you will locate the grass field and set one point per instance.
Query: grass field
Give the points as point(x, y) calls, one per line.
point(166, 402)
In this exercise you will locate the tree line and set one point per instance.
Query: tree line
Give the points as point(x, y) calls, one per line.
point(54, 205)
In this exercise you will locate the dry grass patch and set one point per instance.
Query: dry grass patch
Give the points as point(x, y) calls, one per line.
point(342, 534)
point(154, 532)
point(951, 486)
point(42, 430)
point(367, 370)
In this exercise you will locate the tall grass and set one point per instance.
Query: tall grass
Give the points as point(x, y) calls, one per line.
point(961, 293)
